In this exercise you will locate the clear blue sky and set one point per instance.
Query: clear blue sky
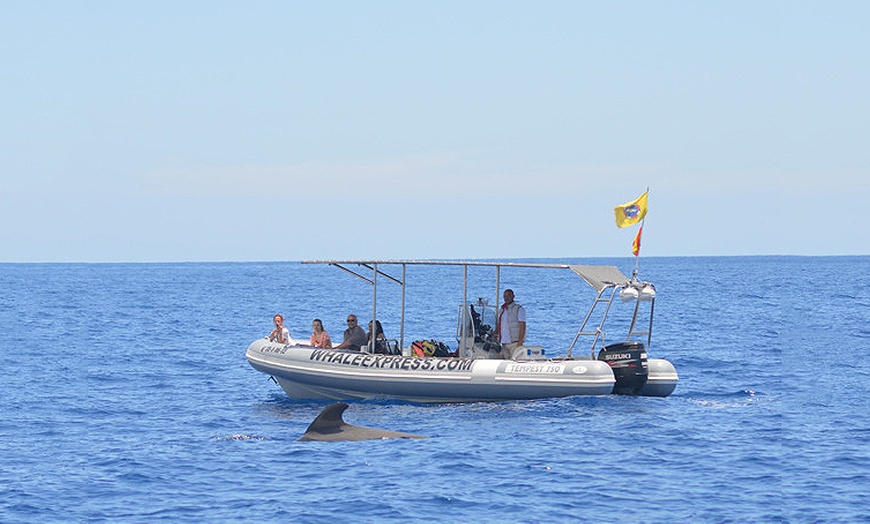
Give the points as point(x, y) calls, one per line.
point(211, 131)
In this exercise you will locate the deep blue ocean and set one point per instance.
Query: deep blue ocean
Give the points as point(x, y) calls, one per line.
point(126, 397)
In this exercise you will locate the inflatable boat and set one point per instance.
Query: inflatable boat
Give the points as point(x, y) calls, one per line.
point(476, 371)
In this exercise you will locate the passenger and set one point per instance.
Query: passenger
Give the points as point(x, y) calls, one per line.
point(354, 336)
point(380, 339)
point(320, 338)
point(511, 327)
point(280, 334)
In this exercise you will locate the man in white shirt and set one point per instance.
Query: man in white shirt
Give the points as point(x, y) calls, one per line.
point(511, 327)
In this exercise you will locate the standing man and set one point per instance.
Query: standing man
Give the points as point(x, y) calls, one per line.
point(511, 326)
point(354, 336)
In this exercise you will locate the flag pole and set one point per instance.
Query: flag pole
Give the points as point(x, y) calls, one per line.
point(637, 256)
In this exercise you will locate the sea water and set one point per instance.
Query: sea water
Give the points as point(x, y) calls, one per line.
point(126, 397)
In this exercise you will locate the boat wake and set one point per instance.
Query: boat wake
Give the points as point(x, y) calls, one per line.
point(242, 436)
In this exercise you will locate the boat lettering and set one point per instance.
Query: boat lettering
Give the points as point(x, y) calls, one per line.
point(617, 356)
point(536, 369)
point(274, 349)
point(365, 360)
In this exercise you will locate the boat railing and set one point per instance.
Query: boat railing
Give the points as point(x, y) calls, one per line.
point(464, 331)
point(390, 345)
point(604, 298)
point(393, 346)
point(607, 280)
point(639, 292)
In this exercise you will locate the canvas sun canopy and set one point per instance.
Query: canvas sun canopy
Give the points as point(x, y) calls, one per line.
point(600, 277)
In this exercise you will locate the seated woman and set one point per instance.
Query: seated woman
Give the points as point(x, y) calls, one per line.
point(380, 339)
point(320, 338)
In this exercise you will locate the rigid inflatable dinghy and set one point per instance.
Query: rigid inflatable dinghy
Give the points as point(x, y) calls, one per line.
point(476, 371)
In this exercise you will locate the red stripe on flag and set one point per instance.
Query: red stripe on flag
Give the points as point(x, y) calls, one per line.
point(635, 246)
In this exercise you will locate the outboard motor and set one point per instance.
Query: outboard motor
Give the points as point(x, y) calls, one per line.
point(629, 364)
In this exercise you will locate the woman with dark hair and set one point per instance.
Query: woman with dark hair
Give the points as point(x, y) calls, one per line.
point(380, 339)
point(320, 338)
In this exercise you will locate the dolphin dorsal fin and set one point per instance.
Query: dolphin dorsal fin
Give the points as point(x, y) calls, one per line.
point(330, 426)
point(329, 420)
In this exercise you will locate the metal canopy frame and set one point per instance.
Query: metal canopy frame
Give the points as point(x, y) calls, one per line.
point(601, 278)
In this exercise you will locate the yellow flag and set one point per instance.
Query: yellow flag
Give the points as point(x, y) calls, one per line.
point(632, 212)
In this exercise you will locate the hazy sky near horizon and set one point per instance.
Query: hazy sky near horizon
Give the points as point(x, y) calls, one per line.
point(270, 130)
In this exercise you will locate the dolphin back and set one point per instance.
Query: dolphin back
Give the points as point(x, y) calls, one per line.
point(329, 426)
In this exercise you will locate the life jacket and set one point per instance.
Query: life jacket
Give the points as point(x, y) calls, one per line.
point(430, 348)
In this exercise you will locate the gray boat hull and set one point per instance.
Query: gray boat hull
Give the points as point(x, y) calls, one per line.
point(309, 373)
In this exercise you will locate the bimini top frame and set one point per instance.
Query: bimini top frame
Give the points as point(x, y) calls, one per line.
point(610, 282)
point(601, 278)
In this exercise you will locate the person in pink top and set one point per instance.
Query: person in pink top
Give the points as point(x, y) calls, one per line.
point(320, 338)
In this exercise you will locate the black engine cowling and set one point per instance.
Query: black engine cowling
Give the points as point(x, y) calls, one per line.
point(629, 364)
